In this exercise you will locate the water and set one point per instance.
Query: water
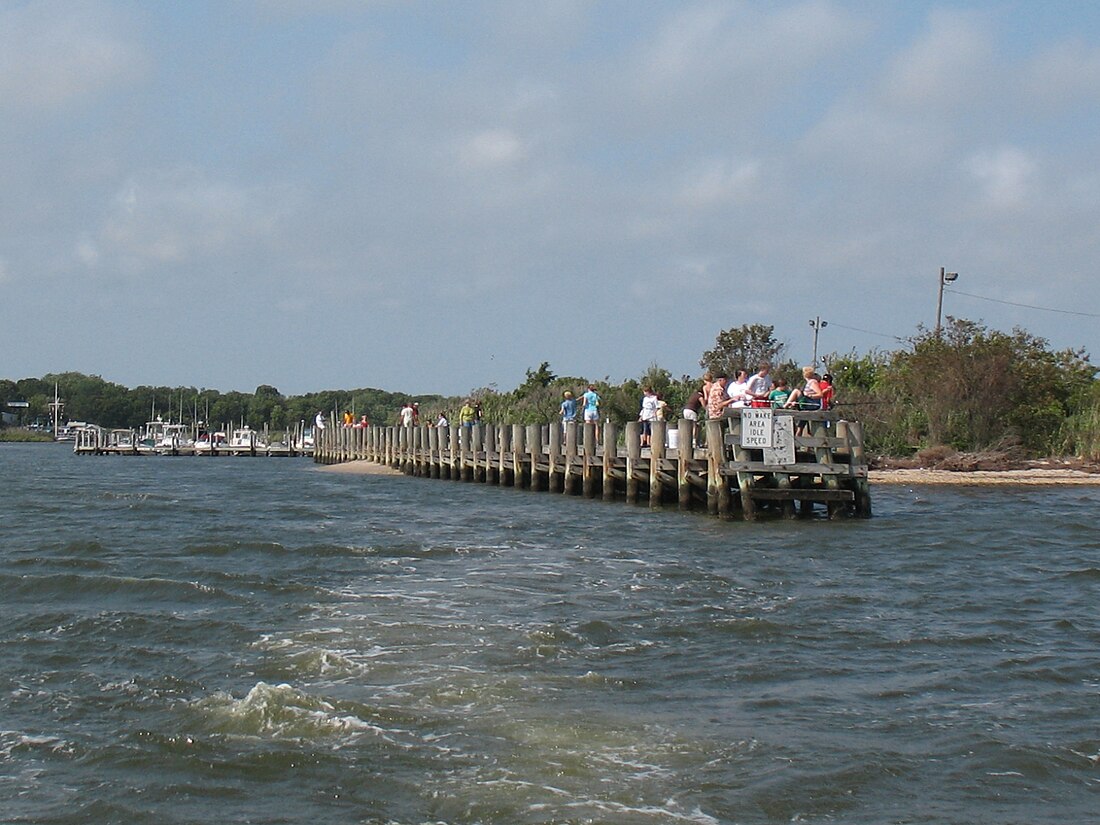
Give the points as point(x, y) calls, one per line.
point(256, 640)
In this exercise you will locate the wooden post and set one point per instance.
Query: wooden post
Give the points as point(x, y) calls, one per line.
point(432, 468)
point(588, 468)
point(633, 458)
point(718, 492)
point(656, 456)
point(476, 440)
point(554, 470)
point(684, 454)
point(744, 480)
point(489, 468)
point(610, 454)
point(820, 430)
point(859, 464)
point(504, 455)
point(570, 475)
point(519, 445)
point(534, 450)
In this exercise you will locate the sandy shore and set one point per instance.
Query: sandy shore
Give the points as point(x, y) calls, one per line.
point(360, 468)
point(1034, 476)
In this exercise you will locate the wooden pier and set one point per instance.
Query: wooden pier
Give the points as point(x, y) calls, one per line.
point(100, 441)
point(762, 461)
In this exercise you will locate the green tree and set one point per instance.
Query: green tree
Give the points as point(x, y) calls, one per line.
point(974, 387)
point(536, 379)
point(742, 347)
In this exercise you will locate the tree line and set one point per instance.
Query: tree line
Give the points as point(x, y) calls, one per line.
point(967, 387)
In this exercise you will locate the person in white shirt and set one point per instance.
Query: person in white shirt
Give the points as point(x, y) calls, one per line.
point(648, 414)
point(759, 385)
point(737, 391)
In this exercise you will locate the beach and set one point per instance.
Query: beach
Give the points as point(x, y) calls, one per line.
point(1031, 476)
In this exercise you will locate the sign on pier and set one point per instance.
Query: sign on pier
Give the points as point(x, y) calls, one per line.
point(762, 430)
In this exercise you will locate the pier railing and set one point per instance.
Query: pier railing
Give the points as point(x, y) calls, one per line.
point(780, 461)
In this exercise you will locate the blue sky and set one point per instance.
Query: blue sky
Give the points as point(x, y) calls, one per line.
point(435, 197)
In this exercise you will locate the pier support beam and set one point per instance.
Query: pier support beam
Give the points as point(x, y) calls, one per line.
point(685, 435)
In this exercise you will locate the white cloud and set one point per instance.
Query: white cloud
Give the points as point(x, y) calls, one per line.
point(741, 51)
point(1005, 176)
point(57, 53)
point(719, 181)
point(857, 135)
point(86, 251)
point(178, 217)
point(1065, 74)
point(492, 148)
point(950, 66)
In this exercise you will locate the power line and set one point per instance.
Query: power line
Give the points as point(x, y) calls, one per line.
point(1025, 306)
point(868, 332)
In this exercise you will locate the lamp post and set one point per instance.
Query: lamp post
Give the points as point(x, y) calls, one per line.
point(945, 278)
point(818, 325)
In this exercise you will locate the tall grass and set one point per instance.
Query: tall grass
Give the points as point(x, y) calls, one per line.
point(1080, 433)
point(21, 435)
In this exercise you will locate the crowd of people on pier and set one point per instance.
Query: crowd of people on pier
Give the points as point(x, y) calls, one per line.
point(716, 396)
point(719, 395)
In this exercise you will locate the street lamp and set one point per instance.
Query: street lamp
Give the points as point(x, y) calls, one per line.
point(818, 325)
point(945, 278)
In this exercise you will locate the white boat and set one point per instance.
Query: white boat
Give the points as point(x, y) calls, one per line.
point(68, 432)
point(208, 443)
point(245, 439)
point(175, 437)
point(162, 437)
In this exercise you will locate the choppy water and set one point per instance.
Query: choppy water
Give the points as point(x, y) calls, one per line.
point(229, 641)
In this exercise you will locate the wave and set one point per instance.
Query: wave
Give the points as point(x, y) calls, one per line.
point(279, 711)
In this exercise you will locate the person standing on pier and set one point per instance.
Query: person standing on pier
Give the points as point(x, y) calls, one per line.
point(591, 405)
point(691, 411)
point(407, 415)
point(717, 400)
point(760, 384)
point(568, 409)
point(467, 414)
point(648, 414)
point(737, 390)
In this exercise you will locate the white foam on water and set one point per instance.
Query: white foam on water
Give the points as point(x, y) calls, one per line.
point(661, 813)
point(13, 741)
point(284, 712)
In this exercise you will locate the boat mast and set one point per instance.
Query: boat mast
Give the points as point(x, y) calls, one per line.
point(56, 408)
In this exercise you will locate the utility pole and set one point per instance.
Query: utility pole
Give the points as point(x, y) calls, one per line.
point(818, 325)
point(945, 278)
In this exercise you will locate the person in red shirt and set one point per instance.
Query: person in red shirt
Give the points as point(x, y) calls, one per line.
point(827, 391)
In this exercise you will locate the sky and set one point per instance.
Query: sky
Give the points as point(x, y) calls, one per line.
point(435, 197)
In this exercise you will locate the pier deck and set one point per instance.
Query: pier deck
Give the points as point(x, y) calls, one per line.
point(763, 461)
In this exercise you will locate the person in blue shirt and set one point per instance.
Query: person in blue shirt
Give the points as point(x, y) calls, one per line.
point(568, 408)
point(591, 404)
